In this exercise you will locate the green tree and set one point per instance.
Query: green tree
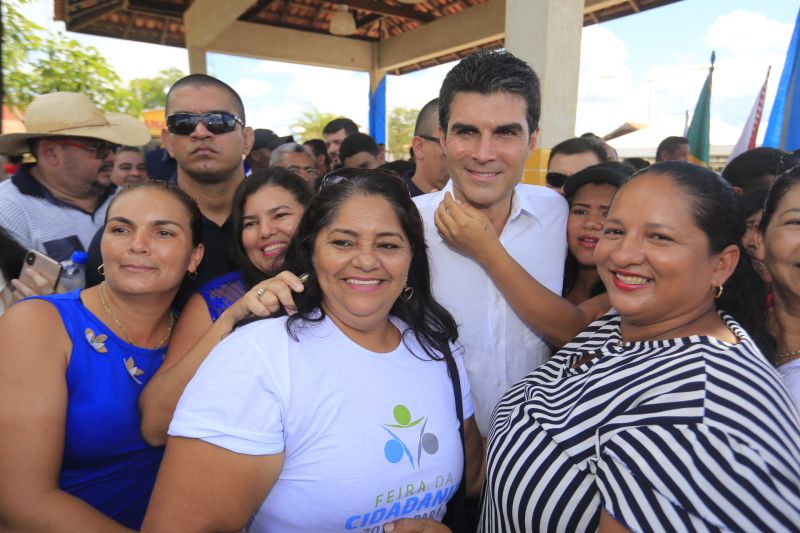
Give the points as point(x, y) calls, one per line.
point(401, 131)
point(151, 92)
point(309, 125)
point(38, 62)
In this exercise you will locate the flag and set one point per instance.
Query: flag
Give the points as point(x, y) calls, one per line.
point(783, 128)
point(748, 139)
point(699, 130)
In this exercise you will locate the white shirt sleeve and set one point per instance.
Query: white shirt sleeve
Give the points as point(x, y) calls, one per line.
point(238, 398)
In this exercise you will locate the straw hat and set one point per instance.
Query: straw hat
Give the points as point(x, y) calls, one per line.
point(73, 115)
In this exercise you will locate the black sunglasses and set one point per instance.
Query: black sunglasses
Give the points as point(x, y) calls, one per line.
point(788, 161)
point(556, 179)
point(341, 175)
point(215, 122)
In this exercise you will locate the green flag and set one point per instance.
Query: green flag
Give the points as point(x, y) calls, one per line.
point(699, 130)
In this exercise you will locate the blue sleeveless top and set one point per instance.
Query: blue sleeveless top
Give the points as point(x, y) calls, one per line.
point(106, 462)
point(222, 292)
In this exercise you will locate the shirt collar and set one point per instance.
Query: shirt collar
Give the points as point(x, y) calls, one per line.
point(519, 202)
point(30, 186)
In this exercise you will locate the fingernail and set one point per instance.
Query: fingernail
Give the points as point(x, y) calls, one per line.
point(388, 527)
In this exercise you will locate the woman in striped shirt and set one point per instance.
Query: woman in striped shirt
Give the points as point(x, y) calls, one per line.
point(663, 414)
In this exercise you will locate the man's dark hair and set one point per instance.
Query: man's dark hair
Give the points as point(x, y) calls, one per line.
point(427, 115)
point(748, 170)
point(204, 80)
point(670, 144)
point(357, 143)
point(492, 71)
point(340, 123)
point(579, 145)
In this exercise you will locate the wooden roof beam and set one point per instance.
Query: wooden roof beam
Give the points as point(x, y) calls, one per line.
point(89, 15)
point(206, 19)
point(269, 42)
point(483, 24)
point(379, 8)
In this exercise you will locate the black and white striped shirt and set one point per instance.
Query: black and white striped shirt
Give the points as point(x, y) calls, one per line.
point(690, 434)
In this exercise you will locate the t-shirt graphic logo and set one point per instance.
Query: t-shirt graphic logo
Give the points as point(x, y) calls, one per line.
point(395, 449)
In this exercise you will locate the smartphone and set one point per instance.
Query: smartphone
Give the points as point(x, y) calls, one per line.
point(48, 268)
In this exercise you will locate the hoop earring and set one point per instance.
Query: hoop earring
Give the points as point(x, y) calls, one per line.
point(101, 269)
point(408, 293)
point(718, 292)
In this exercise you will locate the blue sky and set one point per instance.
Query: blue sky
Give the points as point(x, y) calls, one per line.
point(645, 68)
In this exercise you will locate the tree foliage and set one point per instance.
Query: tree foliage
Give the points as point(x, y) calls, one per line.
point(36, 61)
point(151, 92)
point(310, 124)
point(401, 131)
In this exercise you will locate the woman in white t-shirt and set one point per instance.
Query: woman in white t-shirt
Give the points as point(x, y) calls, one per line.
point(341, 415)
point(778, 246)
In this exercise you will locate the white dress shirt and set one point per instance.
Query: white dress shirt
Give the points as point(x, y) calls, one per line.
point(499, 348)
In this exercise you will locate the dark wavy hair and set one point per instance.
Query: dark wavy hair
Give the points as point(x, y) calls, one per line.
point(429, 322)
point(783, 184)
point(715, 211)
point(276, 177)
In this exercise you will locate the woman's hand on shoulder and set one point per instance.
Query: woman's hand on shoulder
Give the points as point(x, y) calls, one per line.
point(465, 228)
point(416, 525)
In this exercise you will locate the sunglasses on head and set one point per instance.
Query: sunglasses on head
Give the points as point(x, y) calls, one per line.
point(788, 161)
point(341, 175)
point(555, 179)
point(215, 122)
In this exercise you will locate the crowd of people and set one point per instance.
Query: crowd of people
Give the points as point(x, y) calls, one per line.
point(281, 336)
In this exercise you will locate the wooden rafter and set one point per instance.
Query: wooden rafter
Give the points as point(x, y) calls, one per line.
point(92, 14)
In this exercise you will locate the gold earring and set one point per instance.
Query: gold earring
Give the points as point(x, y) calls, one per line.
point(718, 292)
point(102, 270)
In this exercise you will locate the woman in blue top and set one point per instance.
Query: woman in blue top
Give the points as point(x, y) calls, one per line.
point(267, 208)
point(73, 365)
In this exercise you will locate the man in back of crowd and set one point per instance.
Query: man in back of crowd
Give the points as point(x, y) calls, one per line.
point(294, 158)
point(430, 173)
point(334, 132)
point(757, 168)
point(319, 154)
point(571, 156)
point(57, 204)
point(673, 148)
point(129, 167)
point(207, 136)
point(265, 142)
point(359, 150)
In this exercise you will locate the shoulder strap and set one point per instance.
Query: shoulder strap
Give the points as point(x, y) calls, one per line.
point(455, 511)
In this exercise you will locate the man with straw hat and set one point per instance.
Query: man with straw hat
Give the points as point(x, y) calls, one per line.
point(57, 204)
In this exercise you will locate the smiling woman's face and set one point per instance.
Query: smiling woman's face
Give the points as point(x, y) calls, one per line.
point(652, 257)
point(269, 220)
point(361, 260)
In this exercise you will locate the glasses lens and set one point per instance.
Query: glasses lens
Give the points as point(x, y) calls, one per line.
point(216, 123)
point(182, 123)
point(103, 150)
point(555, 179)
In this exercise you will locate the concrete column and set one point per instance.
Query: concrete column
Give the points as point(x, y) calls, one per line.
point(547, 35)
point(197, 60)
point(377, 105)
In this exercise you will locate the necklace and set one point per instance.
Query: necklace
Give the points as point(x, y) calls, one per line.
point(783, 358)
point(124, 329)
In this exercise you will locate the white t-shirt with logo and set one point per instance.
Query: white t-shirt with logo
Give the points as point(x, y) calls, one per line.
point(368, 437)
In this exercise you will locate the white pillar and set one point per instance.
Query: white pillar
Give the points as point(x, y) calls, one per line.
point(197, 60)
point(547, 35)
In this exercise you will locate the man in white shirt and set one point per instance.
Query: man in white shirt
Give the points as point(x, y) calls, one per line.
point(489, 107)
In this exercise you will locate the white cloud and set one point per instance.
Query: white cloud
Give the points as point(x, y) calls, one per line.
point(252, 88)
point(748, 32)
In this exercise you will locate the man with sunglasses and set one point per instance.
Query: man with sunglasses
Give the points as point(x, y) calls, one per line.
point(56, 204)
point(207, 136)
point(430, 173)
point(570, 157)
